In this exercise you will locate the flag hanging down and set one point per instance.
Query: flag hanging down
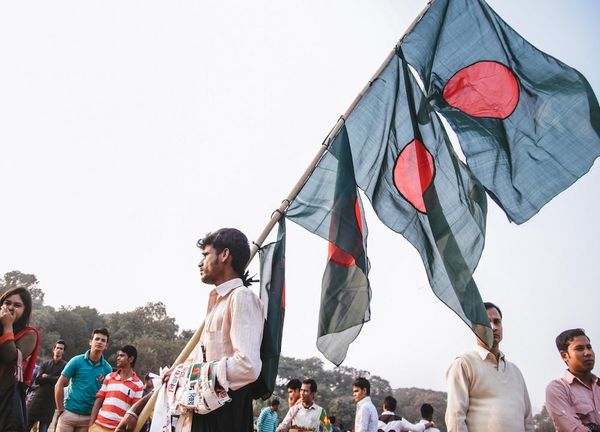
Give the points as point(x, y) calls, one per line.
point(528, 124)
point(272, 295)
point(406, 165)
point(329, 206)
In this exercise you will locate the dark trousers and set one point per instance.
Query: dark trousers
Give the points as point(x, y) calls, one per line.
point(235, 416)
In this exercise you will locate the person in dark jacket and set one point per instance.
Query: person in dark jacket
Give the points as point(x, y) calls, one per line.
point(41, 406)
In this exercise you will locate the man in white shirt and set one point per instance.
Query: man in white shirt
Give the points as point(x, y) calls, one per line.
point(486, 392)
point(390, 422)
point(232, 329)
point(366, 413)
point(306, 414)
point(427, 417)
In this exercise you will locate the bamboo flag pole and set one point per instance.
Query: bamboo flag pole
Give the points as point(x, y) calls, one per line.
point(277, 214)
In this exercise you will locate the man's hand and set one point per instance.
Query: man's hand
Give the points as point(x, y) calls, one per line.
point(127, 424)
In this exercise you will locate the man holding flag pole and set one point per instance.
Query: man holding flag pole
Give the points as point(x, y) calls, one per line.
point(232, 332)
point(401, 158)
point(226, 349)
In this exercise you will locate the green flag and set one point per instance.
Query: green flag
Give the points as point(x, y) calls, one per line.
point(272, 295)
point(329, 205)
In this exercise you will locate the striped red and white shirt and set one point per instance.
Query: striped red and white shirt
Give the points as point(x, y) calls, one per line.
point(118, 394)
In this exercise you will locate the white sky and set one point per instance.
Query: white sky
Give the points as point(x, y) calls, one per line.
point(130, 129)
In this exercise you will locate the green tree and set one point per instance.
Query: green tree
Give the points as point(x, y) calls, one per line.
point(151, 331)
point(16, 279)
point(542, 421)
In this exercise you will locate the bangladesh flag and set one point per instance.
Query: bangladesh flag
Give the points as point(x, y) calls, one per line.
point(272, 295)
point(329, 206)
point(528, 124)
point(405, 163)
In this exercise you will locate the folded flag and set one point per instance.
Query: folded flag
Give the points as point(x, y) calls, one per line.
point(329, 206)
point(272, 295)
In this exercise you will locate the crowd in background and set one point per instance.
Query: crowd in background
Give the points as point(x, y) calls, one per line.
point(486, 391)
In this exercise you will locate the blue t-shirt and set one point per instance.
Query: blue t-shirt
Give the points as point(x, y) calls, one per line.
point(267, 420)
point(86, 379)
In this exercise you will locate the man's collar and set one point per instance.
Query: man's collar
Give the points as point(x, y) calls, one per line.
point(569, 377)
point(87, 356)
point(118, 376)
point(484, 353)
point(360, 402)
point(223, 289)
point(388, 413)
point(312, 406)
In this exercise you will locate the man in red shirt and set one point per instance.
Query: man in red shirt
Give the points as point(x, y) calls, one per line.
point(120, 390)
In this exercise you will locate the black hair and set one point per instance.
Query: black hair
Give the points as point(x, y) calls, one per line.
point(103, 331)
point(427, 411)
point(22, 292)
point(294, 384)
point(489, 305)
point(389, 403)
point(332, 419)
point(237, 243)
point(313, 384)
point(564, 339)
point(62, 342)
point(275, 402)
point(131, 352)
point(362, 383)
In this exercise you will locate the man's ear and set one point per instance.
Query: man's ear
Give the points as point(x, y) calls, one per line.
point(564, 355)
point(225, 255)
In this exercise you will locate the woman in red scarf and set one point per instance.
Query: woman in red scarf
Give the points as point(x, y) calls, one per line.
point(19, 345)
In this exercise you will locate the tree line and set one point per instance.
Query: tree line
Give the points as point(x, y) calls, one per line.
point(159, 340)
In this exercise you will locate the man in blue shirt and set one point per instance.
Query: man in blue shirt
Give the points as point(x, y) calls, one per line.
point(267, 420)
point(85, 373)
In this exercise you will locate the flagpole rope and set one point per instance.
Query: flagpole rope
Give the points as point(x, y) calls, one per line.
point(280, 212)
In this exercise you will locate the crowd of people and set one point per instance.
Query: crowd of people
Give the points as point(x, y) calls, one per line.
point(486, 392)
point(305, 415)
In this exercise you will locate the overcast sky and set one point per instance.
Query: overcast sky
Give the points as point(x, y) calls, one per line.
point(130, 129)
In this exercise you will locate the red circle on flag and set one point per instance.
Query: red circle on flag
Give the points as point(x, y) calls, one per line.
point(484, 89)
point(340, 256)
point(413, 173)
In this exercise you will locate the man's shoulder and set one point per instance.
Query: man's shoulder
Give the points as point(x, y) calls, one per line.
point(557, 384)
point(76, 360)
point(106, 365)
point(242, 291)
point(137, 381)
point(111, 376)
point(243, 297)
point(47, 365)
point(387, 418)
point(315, 406)
point(470, 355)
